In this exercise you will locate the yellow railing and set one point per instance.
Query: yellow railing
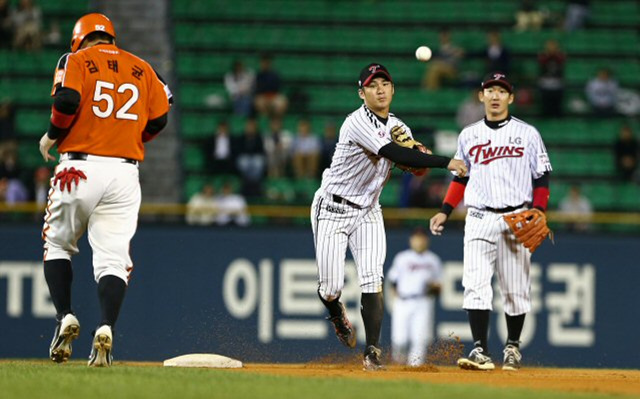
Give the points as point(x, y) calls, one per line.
point(390, 214)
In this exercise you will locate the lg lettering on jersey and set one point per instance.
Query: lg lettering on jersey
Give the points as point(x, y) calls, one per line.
point(485, 154)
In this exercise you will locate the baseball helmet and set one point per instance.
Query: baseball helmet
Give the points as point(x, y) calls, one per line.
point(90, 23)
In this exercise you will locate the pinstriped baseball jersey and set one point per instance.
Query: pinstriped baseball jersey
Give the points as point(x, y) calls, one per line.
point(502, 163)
point(413, 271)
point(357, 173)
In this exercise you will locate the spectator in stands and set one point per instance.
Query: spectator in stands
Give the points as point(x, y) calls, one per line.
point(239, 83)
point(250, 159)
point(53, 37)
point(577, 206)
point(626, 153)
point(27, 26)
point(497, 56)
point(219, 150)
point(471, 110)
point(328, 145)
point(576, 15)
point(528, 16)
point(551, 63)
point(602, 93)
point(7, 120)
point(444, 65)
point(277, 143)
point(202, 208)
point(13, 189)
point(269, 99)
point(9, 166)
point(41, 185)
point(232, 208)
point(6, 33)
point(305, 151)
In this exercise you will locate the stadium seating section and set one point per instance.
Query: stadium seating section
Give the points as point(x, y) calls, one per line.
point(319, 47)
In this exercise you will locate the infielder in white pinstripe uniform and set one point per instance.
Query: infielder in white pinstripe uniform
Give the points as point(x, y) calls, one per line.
point(508, 172)
point(415, 277)
point(346, 212)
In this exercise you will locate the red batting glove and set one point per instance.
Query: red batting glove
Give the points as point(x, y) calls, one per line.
point(68, 176)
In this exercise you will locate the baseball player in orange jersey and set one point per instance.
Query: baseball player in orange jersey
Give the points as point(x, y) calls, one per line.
point(107, 103)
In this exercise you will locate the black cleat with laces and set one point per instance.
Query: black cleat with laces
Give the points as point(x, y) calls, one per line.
point(371, 361)
point(344, 330)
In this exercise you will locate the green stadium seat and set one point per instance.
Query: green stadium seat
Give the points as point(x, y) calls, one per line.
point(390, 195)
point(193, 158)
point(192, 185)
point(29, 156)
point(196, 126)
point(32, 123)
point(628, 197)
point(305, 189)
point(280, 191)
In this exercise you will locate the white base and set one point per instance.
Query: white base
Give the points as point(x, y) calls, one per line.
point(203, 360)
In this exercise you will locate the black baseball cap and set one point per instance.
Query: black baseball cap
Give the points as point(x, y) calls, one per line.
point(371, 71)
point(419, 230)
point(497, 78)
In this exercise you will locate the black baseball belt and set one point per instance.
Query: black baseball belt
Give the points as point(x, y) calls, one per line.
point(507, 209)
point(414, 296)
point(81, 156)
point(340, 200)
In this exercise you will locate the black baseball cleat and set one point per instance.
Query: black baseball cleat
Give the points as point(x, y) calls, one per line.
point(371, 360)
point(477, 360)
point(512, 358)
point(344, 330)
point(101, 347)
point(67, 329)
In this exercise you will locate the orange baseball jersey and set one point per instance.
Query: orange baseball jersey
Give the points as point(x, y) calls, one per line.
point(119, 93)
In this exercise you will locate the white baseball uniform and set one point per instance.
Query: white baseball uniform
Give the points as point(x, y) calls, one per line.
point(502, 163)
point(412, 323)
point(345, 210)
point(106, 204)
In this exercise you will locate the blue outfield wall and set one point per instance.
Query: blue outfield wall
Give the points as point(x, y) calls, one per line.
point(251, 294)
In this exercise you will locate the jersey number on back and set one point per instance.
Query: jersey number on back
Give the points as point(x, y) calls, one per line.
point(99, 96)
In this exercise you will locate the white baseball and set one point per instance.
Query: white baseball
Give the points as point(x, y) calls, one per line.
point(423, 53)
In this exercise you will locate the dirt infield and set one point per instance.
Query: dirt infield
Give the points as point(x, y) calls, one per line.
point(626, 382)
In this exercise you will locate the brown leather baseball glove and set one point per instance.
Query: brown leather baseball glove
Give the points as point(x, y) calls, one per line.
point(402, 138)
point(529, 227)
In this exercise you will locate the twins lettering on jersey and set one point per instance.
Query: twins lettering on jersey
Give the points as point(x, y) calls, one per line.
point(521, 158)
point(485, 153)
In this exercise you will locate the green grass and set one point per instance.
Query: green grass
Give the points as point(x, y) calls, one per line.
point(36, 380)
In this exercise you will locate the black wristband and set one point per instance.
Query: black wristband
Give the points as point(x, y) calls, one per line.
point(54, 131)
point(446, 208)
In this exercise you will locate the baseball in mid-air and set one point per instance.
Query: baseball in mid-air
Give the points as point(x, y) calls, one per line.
point(423, 53)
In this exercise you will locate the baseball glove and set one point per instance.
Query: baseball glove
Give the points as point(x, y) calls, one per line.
point(416, 171)
point(529, 227)
point(402, 138)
